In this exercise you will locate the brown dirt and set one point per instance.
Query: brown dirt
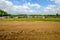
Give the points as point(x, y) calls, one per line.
point(38, 30)
point(41, 25)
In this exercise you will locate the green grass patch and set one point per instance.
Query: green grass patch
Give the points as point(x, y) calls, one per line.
point(32, 19)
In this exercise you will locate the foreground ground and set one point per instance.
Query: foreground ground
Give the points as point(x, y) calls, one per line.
point(35, 30)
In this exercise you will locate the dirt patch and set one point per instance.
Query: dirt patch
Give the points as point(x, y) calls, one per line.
point(41, 25)
point(38, 30)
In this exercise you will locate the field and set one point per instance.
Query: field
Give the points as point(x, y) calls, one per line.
point(29, 30)
point(31, 19)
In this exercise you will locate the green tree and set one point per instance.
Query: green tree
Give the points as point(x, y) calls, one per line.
point(57, 14)
point(3, 13)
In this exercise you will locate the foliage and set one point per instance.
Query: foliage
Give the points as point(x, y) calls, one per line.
point(3, 13)
point(32, 19)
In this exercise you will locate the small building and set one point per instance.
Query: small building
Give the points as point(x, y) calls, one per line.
point(29, 16)
point(4, 17)
point(1, 18)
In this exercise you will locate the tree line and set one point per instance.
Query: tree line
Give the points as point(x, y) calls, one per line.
point(4, 13)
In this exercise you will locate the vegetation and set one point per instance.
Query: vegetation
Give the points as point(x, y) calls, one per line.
point(23, 17)
point(3, 13)
point(31, 19)
point(12, 29)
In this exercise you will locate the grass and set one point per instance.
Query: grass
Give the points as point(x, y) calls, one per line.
point(32, 19)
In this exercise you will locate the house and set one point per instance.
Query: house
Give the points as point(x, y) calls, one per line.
point(36, 16)
point(29, 16)
point(1, 18)
point(4, 17)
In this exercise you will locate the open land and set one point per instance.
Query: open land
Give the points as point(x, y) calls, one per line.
point(27, 30)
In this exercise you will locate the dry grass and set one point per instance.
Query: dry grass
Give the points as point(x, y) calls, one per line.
point(38, 30)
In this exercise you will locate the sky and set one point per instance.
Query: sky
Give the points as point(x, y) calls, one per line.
point(30, 6)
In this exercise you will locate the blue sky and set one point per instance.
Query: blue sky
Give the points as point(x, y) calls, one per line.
point(30, 6)
point(41, 2)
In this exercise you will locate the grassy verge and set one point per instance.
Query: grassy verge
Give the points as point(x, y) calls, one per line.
point(31, 19)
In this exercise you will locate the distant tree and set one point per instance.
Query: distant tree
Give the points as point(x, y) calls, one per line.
point(57, 14)
point(3, 13)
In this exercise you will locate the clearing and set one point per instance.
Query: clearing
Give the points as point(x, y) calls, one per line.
point(24, 30)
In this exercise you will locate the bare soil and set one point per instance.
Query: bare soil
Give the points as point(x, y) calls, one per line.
point(36, 30)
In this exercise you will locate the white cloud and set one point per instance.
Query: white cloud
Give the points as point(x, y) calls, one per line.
point(51, 9)
point(56, 1)
point(36, 5)
point(32, 5)
point(11, 8)
point(8, 3)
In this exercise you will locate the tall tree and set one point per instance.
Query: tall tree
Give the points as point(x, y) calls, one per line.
point(3, 13)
